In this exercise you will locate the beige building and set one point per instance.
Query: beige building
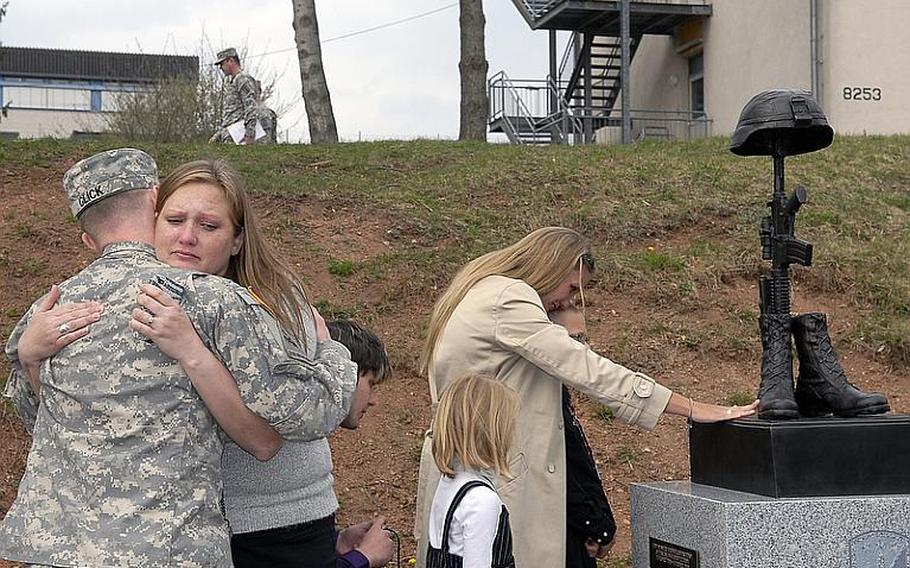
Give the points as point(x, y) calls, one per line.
point(717, 63)
point(695, 63)
point(62, 93)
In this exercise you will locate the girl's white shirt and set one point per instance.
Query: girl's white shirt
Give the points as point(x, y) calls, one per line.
point(475, 521)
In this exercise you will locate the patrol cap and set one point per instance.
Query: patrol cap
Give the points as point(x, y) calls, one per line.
point(224, 54)
point(108, 173)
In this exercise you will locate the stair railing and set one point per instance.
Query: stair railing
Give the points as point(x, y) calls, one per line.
point(561, 121)
point(507, 104)
point(538, 8)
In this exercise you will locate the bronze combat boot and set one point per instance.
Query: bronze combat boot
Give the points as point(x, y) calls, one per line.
point(776, 399)
point(822, 386)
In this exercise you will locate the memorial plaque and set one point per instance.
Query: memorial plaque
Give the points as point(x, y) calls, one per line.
point(669, 555)
point(880, 549)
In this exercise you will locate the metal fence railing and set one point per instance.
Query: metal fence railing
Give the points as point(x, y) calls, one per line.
point(532, 110)
point(523, 108)
point(656, 124)
point(524, 97)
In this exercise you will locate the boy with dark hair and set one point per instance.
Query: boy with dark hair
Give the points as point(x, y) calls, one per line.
point(372, 361)
point(373, 368)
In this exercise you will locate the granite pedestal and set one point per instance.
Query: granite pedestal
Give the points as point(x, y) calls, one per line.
point(680, 524)
point(810, 493)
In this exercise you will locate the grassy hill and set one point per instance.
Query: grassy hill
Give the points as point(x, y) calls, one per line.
point(673, 220)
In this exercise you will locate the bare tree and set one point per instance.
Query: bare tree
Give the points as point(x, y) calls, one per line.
point(3, 5)
point(169, 110)
point(473, 68)
point(316, 97)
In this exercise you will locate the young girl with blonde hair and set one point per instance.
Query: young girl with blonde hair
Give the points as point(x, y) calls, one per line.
point(472, 434)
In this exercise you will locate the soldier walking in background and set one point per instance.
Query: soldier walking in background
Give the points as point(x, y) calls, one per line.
point(242, 102)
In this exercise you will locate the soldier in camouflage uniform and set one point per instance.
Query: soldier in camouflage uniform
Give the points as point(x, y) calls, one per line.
point(125, 464)
point(242, 96)
point(267, 118)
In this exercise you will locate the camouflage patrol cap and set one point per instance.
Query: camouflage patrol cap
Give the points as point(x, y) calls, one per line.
point(108, 173)
point(224, 54)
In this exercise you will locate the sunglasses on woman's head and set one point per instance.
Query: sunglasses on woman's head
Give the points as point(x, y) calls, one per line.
point(587, 260)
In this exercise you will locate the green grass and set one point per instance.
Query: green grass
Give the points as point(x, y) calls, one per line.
point(330, 311)
point(604, 413)
point(669, 221)
point(30, 267)
point(23, 231)
point(12, 312)
point(416, 448)
point(741, 398)
point(341, 268)
point(624, 561)
point(626, 454)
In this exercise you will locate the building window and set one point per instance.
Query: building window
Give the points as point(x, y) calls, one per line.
point(697, 85)
point(48, 98)
point(69, 99)
point(110, 101)
point(96, 100)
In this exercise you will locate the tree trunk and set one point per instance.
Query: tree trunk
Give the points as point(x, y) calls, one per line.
point(473, 68)
point(312, 76)
point(3, 4)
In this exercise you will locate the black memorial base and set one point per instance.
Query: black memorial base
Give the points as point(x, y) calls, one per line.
point(810, 457)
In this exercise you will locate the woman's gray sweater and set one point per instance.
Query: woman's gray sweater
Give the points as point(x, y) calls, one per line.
point(295, 486)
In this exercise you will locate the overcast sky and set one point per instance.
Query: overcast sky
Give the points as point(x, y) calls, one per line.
point(398, 82)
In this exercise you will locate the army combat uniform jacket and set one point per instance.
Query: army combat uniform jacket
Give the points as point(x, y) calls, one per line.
point(240, 93)
point(125, 465)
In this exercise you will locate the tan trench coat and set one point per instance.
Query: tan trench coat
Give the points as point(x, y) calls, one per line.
point(501, 328)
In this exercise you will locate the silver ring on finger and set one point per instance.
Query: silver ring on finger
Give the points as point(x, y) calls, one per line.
point(151, 320)
point(64, 328)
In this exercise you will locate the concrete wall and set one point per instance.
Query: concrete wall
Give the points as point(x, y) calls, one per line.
point(866, 45)
point(30, 123)
point(659, 76)
point(750, 46)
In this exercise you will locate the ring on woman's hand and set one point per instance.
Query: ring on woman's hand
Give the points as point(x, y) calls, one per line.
point(151, 319)
point(729, 411)
point(64, 328)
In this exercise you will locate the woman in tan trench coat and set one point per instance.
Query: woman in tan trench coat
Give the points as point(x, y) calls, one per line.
point(493, 319)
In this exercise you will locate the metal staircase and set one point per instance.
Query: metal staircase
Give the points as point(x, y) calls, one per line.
point(596, 63)
point(523, 111)
point(557, 112)
point(602, 73)
point(582, 96)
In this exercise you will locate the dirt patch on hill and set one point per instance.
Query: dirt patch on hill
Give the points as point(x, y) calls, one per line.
point(692, 348)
